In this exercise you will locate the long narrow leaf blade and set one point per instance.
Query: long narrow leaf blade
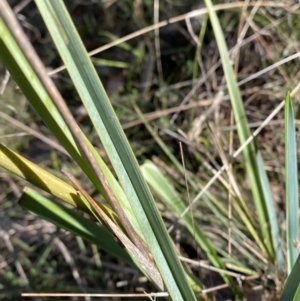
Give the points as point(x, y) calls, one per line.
point(23, 168)
point(175, 205)
point(271, 211)
point(72, 221)
point(114, 140)
point(291, 185)
point(250, 150)
point(291, 290)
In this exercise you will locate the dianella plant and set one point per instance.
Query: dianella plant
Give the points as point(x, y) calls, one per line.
point(130, 226)
point(132, 215)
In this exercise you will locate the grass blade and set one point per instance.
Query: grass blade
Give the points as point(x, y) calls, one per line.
point(291, 185)
point(272, 214)
point(174, 204)
point(291, 290)
point(250, 151)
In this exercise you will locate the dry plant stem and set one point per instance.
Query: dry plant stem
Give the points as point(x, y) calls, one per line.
point(265, 70)
point(236, 153)
point(222, 286)
point(193, 91)
point(192, 14)
point(202, 80)
point(21, 6)
point(18, 265)
point(4, 82)
point(287, 38)
point(233, 49)
point(157, 114)
point(232, 186)
point(257, 124)
point(70, 261)
point(201, 103)
point(36, 64)
point(198, 122)
point(34, 133)
point(269, 53)
point(145, 295)
point(211, 268)
point(157, 43)
point(146, 261)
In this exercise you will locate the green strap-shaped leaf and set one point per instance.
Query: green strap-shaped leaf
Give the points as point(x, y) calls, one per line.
point(23, 168)
point(72, 221)
point(291, 185)
point(291, 290)
point(116, 145)
point(253, 162)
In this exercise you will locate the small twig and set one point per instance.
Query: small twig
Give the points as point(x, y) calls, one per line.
point(34, 133)
point(223, 286)
point(21, 6)
point(68, 258)
point(157, 43)
point(4, 82)
point(211, 268)
point(157, 114)
point(145, 295)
